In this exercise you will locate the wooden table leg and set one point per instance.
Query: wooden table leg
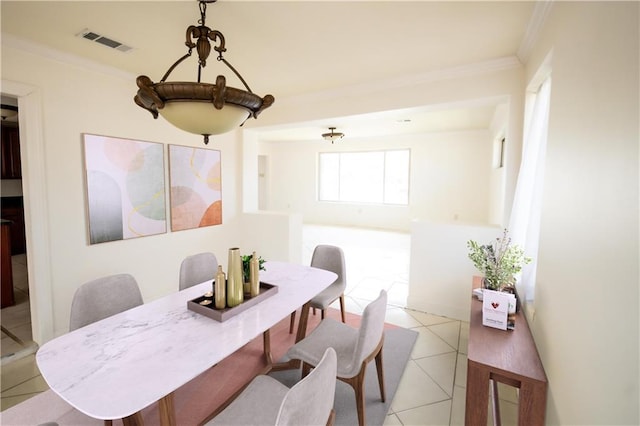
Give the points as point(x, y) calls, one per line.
point(167, 411)
point(302, 331)
point(532, 403)
point(304, 319)
point(477, 401)
point(266, 344)
point(132, 420)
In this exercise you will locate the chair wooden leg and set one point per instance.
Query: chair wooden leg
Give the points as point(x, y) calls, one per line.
point(380, 375)
point(358, 387)
point(314, 311)
point(292, 322)
point(342, 308)
point(332, 418)
point(306, 369)
point(322, 314)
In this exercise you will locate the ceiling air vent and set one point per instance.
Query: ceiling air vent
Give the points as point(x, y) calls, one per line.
point(105, 41)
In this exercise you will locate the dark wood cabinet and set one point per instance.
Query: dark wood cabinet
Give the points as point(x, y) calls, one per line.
point(11, 164)
point(6, 284)
point(13, 212)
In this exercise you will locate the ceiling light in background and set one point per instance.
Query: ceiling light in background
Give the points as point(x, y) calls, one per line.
point(332, 136)
point(8, 112)
point(201, 108)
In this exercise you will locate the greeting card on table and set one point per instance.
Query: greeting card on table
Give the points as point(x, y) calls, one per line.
point(495, 308)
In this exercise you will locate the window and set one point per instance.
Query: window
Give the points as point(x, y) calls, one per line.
point(380, 177)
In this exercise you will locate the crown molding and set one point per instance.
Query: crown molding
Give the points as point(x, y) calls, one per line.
point(540, 13)
point(18, 43)
point(478, 68)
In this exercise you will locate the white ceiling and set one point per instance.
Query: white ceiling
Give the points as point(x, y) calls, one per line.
point(291, 48)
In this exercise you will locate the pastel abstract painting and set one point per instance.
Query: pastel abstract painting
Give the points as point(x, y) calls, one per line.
point(196, 187)
point(125, 188)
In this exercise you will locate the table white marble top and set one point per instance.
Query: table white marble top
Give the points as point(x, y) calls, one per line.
point(117, 366)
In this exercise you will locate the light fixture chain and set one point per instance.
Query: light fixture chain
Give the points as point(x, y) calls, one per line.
point(164, 78)
point(220, 58)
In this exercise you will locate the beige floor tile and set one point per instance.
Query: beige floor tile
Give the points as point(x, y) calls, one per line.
point(416, 388)
point(429, 344)
point(441, 368)
point(392, 420)
point(508, 414)
point(369, 288)
point(461, 371)
point(397, 294)
point(34, 385)
point(354, 305)
point(19, 371)
point(428, 319)
point(434, 414)
point(457, 406)
point(399, 317)
point(8, 402)
point(508, 393)
point(449, 332)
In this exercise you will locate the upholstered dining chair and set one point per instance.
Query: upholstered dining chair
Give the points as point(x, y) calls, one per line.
point(330, 258)
point(197, 268)
point(102, 298)
point(354, 349)
point(266, 401)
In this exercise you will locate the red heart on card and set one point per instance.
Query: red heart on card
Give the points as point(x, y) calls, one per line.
point(495, 305)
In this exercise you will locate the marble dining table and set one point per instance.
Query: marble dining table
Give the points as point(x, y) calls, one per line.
point(114, 368)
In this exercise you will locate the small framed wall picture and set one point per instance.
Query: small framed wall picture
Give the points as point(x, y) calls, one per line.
point(195, 176)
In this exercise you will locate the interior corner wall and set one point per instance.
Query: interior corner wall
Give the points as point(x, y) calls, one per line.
point(586, 321)
point(79, 99)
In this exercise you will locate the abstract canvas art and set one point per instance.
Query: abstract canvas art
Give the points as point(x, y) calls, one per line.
point(196, 187)
point(125, 188)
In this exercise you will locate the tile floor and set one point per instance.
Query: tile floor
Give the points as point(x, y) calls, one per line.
point(432, 389)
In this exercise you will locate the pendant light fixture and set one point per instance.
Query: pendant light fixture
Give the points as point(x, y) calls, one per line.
point(201, 108)
point(332, 136)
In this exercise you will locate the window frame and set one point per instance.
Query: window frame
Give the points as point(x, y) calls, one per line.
point(319, 178)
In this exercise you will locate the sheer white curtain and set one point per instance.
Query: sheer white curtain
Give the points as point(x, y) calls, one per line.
point(524, 226)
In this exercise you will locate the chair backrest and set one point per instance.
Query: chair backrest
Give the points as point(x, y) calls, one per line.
point(331, 258)
point(371, 329)
point(103, 297)
point(310, 401)
point(197, 268)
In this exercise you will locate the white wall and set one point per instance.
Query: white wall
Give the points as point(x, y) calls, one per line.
point(73, 99)
point(586, 322)
point(441, 272)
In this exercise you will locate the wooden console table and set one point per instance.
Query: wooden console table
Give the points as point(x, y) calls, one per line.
point(508, 357)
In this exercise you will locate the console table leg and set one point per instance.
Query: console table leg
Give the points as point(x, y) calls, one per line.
point(495, 403)
point(532, 403)
point(477, 400)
